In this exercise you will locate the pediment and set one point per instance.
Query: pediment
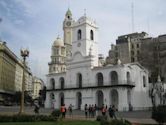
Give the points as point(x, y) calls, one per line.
point(77, 56)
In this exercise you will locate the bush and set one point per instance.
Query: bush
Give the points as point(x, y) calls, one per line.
point(26, 118)
point(101, 118)
point(56, 113)
point(159, 114)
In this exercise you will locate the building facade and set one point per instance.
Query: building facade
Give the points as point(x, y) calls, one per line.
point(11, 74)
point(37, 86)
point(85, 81)
point(127, 48)
point(153, 56)
point(7, 71)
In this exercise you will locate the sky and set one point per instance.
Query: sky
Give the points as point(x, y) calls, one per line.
point(35, 24)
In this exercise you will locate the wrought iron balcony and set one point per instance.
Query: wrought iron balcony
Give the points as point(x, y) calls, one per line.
point(112, 84)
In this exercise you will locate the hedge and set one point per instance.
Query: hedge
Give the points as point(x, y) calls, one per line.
point(26, 118)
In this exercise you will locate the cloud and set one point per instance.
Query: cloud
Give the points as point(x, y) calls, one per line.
point(36, 24)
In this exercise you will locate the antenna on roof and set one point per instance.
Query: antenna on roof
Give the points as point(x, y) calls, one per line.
point(132, 15)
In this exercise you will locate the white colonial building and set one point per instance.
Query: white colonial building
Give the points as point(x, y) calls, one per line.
point(84, 80)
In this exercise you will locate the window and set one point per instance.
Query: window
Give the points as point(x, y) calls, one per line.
point(100, 80)
point(144, 81)
point(52, 83)
point(132, 59)
point(79, 34)
point(91, 35)
point(114, 78)
point(79, 80)
point(62, 83)
point(137, 45)
point(128, 78)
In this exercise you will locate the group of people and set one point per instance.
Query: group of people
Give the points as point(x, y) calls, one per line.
point(92, 110)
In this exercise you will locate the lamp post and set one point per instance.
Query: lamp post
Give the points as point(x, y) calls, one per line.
point(24, 54)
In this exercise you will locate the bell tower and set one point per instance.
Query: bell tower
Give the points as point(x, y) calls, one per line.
point(67, 28)
point(85, 38)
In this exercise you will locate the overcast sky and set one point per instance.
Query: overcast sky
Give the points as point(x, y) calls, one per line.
point(35, 24)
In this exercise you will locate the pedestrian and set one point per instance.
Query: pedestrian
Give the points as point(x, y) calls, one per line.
point(103, 110)
point(110, 110)
point(93, 111)
point(130, 107)
point(114, 110)
point(36, 110)
point(86, 110)
point(96, 109)
point(63, 110)
point(70, 110)
point(90, 110)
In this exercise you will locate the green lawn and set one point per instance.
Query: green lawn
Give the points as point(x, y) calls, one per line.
point(54, 123)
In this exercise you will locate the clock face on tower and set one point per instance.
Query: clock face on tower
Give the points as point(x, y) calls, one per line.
point(68, 23)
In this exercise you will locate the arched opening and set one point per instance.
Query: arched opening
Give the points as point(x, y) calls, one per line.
point(100, 80)
point(144, 81)
point(99, 98)
point(78, 100)
point(52, 81)
point(91, 35)
point(129, 99)
point(79, 80)
point(128, 78)
point(62, 83)
point(61, 99)
point(79, 34)
point(114, 99)
point(114, 78)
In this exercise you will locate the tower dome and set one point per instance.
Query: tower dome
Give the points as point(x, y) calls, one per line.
point(58, 42)
point(68, 13)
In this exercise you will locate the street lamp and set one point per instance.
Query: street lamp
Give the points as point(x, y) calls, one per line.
point(24, 54)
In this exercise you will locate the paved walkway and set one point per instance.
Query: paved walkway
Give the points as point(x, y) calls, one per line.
point(141, 117)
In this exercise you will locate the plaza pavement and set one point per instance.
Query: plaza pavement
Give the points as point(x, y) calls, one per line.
point(141, 117)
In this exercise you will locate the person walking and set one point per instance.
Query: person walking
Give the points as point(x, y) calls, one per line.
point(70, 110)
point(103, 110)
point(113, 111)
point(110, 110)
point(63, 111)
point(86, 110)
point(90, 110)
point(93, 111)
point(96, 110)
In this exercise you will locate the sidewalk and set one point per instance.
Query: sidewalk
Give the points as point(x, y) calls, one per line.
point(135, 121)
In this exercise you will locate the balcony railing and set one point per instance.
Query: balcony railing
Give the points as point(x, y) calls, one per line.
point(123, 83)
